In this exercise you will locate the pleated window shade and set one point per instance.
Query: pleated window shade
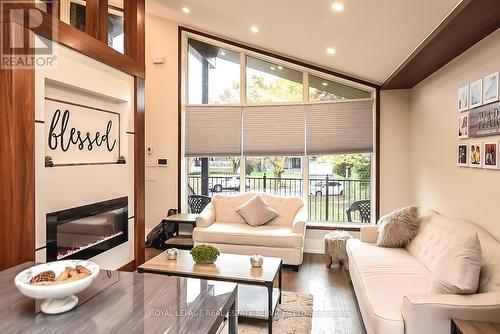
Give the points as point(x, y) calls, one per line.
point(280, 130)
point(340, 127)
point(212, 131)
point(274, 130)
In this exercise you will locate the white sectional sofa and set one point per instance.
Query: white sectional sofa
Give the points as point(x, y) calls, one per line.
point(221, 226)
point(393, 285)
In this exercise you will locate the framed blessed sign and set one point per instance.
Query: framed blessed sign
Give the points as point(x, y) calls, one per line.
point(76, 134)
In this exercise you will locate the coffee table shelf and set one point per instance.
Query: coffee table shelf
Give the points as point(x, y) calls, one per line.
point(252, 301)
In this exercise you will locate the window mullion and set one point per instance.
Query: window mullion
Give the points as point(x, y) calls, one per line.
point(243, 100)
point(305, 160)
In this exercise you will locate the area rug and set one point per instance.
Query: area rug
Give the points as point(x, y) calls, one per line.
point(292, 316)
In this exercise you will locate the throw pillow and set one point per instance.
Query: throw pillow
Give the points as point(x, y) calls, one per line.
point(457, 270)
point(398, 228)
point(256, 211)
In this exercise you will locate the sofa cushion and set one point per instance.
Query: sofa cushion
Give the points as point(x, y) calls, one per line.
point(381, 277)
point(457, 271)
point(243, 234)
point(398, 228)
point(256, 211)
point(438, 233)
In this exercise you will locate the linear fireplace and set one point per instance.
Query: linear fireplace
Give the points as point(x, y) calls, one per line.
point(85, 231)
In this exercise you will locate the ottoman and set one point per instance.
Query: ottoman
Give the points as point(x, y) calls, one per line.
point(335, 248)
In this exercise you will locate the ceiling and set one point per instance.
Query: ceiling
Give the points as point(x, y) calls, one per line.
point(371, 37)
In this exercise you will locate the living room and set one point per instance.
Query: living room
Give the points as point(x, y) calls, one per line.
point(211, 166)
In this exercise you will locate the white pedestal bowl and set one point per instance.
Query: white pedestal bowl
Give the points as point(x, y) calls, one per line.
point(57, 298)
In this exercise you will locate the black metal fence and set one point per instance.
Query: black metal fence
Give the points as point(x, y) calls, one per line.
point(328, 198)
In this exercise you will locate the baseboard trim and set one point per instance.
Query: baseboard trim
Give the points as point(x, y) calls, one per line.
point(128, 267)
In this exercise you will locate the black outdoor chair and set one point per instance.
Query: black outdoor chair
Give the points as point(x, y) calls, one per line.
point(364, 210)
point(198, 202)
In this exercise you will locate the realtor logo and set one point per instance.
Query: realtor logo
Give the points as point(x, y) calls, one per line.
point(21, 47)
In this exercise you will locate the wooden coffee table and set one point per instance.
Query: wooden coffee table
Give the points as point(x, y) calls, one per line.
point(233, 268)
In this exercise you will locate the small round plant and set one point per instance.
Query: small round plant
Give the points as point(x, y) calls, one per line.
point(204, 254)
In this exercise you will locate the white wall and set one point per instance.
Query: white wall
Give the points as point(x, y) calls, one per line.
point(80, 79)
point(394, 150)
point(161, 118)
point(437, 182)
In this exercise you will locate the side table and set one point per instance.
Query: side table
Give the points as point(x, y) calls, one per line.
point(181, 241)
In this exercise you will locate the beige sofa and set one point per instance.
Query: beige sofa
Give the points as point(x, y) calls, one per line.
point(392, 285)
point(221, 226)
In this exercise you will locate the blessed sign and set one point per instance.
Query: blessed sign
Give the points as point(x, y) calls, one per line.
point(485, 120)
point(78, 134)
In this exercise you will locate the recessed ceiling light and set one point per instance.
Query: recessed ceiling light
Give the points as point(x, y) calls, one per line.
point(337, 6)
point(254, 29)
point(273, 68)
point(222, 53)
point(330, 51)
point(325, 84)
point(186, 10)
point(280, 67)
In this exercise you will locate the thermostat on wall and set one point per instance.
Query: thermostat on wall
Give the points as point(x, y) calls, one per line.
point(163, 162)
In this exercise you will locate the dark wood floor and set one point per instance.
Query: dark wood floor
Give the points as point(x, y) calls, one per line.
point(335, 307)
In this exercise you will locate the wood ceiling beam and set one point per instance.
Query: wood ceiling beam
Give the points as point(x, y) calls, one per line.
point(467, 24)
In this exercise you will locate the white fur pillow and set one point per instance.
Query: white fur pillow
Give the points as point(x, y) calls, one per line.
point(256, 211)
point(398, 228)
point(458, 269)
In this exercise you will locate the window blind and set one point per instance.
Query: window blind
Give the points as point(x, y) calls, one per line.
point(274, 130)
point(212, 131)
point(339, 127)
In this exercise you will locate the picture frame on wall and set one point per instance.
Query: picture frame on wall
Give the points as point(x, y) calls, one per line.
point(490, 88)
point(462, 154)
point(463, 98)
point(463, 127)
point(476, 93)
point(490, 152)
point(475, 155)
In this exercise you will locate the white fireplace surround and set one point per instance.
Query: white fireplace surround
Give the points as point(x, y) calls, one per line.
point(82, 80)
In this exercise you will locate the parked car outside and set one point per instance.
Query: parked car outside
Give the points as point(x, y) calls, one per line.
point(219, 184)
point(334, 188)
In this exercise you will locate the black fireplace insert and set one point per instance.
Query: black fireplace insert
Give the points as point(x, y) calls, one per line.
point(86, 231)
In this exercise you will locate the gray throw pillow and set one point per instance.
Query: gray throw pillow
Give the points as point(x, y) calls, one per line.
point(398, 228)
point(256, 211)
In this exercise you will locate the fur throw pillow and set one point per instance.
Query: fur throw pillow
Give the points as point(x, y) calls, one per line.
point(398, 228)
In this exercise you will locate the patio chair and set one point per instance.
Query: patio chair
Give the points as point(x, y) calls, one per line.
point(364, 209)
point(198, 202)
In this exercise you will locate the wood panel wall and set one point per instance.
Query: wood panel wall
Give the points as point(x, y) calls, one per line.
point(139, 171)
point(17, 159)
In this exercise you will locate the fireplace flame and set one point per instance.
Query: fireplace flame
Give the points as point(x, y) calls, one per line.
point(61, 254)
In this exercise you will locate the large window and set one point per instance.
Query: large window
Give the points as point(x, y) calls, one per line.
point(337, 185)
point(275, 175)
point(252, 123)
point(222, 175)
point(213, 74)
point(321, 89)
point(268, 82)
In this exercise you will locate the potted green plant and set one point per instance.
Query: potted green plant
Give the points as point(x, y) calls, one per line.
point(48, 161)
point(121, 160)
point(204, 253)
